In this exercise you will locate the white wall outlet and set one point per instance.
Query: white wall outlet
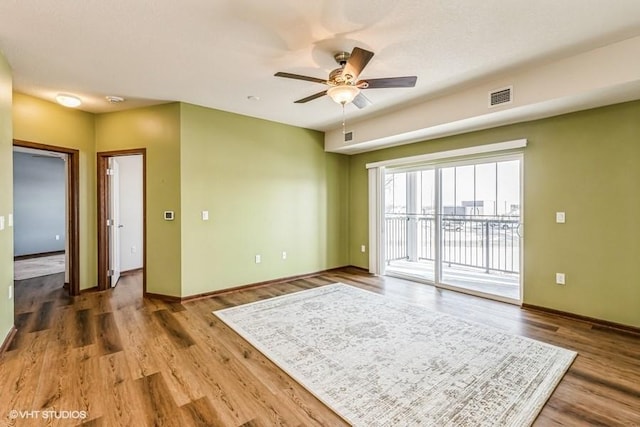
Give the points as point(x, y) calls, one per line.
point(205, 215)
point(134, 249)
point(363, 248)
point(10, 291)
point(284, 255)
point(10, 220)
point(258, 259)
point(57, 237)
point(560, 217)
point(560, 278)
point(1, 223)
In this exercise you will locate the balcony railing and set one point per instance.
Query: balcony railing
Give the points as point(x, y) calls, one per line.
point(487, 242)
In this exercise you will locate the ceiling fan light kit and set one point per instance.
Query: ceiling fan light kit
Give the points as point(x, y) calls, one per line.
point(344, 86)
point(343, 94)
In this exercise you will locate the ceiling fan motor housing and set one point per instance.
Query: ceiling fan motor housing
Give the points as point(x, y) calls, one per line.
point(336, 77)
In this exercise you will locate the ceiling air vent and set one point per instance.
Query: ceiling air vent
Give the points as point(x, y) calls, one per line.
point(501, 96)
point(348, 136)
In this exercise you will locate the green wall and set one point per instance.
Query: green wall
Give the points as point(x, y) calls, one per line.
point(271, 188)
point(157, 129)
point(586, 164)
point(268, 188)
point(44, 122)
point(6, 199)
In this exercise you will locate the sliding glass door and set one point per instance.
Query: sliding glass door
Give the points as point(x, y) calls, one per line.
point(456, 225)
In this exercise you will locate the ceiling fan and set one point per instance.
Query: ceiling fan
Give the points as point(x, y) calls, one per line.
point(344, 86)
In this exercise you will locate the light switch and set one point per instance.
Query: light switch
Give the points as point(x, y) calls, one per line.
point(205, 215)
point(560, 217)
point(10, 220)
point(1, 222)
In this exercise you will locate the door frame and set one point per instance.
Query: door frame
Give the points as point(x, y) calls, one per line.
point(113, 230)
point(73, 207)
point(103, 213)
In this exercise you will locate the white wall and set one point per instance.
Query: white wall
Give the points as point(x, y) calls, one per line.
point(131, 212)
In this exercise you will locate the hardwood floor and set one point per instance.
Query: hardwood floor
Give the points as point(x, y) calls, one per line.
point(128, 361)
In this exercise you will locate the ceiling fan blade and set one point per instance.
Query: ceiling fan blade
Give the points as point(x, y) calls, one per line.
point(408, 81)
point(357, 61)
point(311, 97)
point(361, 101)
point(299, 77)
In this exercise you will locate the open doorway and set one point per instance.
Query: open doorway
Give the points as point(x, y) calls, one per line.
point(46, 216)
point(121, 216)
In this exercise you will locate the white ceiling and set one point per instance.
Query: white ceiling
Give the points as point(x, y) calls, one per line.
point(217, 53)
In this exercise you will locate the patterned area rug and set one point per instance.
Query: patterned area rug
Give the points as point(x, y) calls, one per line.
point(380, 362)
point(36, 267)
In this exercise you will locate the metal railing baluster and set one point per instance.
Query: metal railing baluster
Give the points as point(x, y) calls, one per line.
point(485, 242)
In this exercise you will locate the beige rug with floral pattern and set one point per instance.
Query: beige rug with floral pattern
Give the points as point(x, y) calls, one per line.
point(381, 362)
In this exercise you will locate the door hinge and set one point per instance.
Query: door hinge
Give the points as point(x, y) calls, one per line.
point(109, 171)
point(110, 273)
point(109, 222)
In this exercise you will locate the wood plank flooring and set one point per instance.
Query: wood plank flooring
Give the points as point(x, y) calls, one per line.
point(127, 361)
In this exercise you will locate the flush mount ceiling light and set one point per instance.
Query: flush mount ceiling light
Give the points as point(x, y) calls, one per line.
point(68, 100)
point(343, 94)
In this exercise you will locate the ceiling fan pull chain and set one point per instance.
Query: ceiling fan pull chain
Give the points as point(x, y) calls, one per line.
point(344, 128)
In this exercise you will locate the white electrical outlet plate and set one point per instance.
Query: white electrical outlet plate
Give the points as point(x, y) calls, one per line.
point(284, 255)
point(258, 259)
point(205, 215)
point(363, 248)
point(560, 278)
point(57, 237)
point(134, 249)
point(560, 217)
point(10, 291)
point(1, 223)
point(10, 220)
